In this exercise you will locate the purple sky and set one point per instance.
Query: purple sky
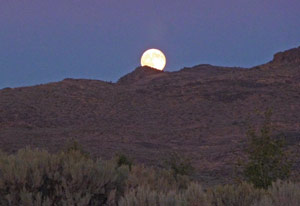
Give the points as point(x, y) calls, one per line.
point(49, 40)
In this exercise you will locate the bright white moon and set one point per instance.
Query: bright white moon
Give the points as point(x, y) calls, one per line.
point(154, 58)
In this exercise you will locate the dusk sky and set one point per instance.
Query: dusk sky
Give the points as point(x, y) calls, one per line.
point(48, 40)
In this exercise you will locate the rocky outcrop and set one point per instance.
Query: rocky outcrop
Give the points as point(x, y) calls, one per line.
point(291, 56)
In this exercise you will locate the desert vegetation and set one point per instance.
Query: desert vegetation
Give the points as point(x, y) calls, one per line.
point(36, 177)
point(267, 159)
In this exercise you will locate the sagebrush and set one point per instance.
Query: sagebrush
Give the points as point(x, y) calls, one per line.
point(34, 177)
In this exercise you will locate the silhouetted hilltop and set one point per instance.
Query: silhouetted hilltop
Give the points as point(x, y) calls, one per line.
point(291, 56)
point(203, 111)
point(138, 74)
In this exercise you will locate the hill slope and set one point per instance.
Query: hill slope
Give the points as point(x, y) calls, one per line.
point(203, 111)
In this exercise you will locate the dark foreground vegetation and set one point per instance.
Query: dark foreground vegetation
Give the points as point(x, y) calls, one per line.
point(34, 177)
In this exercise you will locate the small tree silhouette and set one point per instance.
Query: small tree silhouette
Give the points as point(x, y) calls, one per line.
point(73, 145)
point(179, 164)
point(122, 159)
point(267, 160)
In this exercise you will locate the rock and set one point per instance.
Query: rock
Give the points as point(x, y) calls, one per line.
point(291, 56)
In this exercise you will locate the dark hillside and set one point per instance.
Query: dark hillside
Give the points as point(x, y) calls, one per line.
point(203, 111)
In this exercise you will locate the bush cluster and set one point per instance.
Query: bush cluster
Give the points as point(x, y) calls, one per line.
point(38, 178)
point(267, 159)
point(143, 196)
point(34, 177)
point(281, 193)
point(161, 180)
point(244, 194)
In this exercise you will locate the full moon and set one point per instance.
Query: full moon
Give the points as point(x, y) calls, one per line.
point(154, 58)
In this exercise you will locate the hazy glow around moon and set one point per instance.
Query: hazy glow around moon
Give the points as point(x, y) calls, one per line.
point(154, 58)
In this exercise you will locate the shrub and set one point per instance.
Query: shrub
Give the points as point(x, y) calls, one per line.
point(179, 164)
point(160, 180)
point(195, 196)
point(122, 159)
point(243, 194)
point(35, 177)
point(144, 196)
point(74, 145)
point(267, 160)
point(281, 193)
